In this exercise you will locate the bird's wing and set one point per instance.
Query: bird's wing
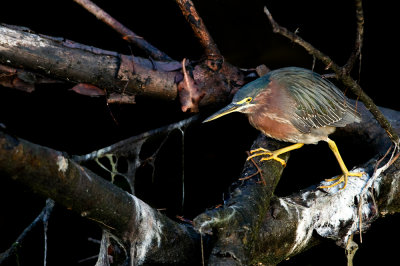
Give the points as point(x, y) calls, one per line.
point(318, 103)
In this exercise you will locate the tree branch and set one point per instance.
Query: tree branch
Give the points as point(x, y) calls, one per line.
point(71, 61)
point(126, 33)
point(117, 73)
point(359, 38)
point(198, 27)
point(147, 234)
point(42, 217)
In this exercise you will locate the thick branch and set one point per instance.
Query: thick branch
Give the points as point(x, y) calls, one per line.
point(75, 62)
point(148, 235)
point(121, 74)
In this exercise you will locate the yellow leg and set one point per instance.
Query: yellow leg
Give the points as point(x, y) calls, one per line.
point(273, 155)
point(342, 178)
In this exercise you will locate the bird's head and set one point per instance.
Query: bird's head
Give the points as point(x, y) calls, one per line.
point(244, 99)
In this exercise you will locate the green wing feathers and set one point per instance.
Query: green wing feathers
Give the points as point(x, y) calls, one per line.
point(319, 102)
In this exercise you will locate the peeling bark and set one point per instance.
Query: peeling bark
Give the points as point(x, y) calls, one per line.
point(70, 61)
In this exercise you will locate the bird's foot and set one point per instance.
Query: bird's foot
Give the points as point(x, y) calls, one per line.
point(270, 155)
point(342, 179)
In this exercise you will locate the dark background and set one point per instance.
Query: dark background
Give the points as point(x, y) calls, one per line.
point(56, 117)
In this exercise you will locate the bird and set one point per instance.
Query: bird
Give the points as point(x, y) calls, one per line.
point(295, 105)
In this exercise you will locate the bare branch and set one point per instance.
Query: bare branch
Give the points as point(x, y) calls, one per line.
point(126, 33)
point(116, 73)
point(79, 63)
point(42, 217)
point(359, 38)
point(198, 26)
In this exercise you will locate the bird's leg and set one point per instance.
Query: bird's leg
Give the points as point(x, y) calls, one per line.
point(342, 178)
point(273, 155)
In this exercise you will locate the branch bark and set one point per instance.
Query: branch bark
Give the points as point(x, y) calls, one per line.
point(126, 33)
point(75, 62)
point(117, 73)
point(198, 27)
point(146, 234)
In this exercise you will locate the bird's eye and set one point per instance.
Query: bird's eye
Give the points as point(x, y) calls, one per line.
point(245, 100)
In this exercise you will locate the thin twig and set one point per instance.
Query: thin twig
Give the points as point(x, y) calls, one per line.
point(377, 171)
point(133, 141)
point(42, 217)
point(342, 76)
point(359, 38)
point(258, 171)
point(199, 28)
point(126, 33)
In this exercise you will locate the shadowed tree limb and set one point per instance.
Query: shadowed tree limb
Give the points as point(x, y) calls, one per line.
point(358, 40)
point(199, 28)
point(145, 233)
point(126, 33)
point(75, 62)
point(114, 72)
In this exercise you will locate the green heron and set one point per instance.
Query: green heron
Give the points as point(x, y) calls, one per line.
point(294, 105)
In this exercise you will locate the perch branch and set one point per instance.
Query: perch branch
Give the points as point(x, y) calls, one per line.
point(344, 77)
point(126, 33)
point(286, 226)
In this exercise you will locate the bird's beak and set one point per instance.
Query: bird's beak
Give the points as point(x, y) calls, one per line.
point(230, 108)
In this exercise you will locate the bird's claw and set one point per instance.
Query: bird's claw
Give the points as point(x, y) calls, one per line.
point(262, 152)
point(342, 179)
point(274, 157)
